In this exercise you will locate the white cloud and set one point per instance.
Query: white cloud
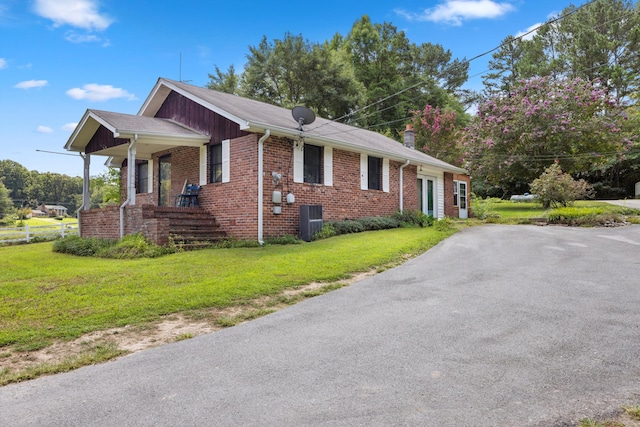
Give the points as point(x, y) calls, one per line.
point(531, 34)
point(3, 63)
point(44, 129)
point(30, 84)
point(453, 12)
point(74, 37)
point(70, 127)
point(77, 13)
point(96, 92)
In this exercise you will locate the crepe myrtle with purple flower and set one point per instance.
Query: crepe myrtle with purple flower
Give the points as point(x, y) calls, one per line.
point(515, 136)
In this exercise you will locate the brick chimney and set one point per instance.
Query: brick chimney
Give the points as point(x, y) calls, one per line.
point(409, 137)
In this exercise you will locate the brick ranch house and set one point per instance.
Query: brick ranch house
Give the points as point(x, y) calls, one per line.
point(256, 167)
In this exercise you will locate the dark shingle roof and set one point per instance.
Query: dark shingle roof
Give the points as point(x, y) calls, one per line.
point(258, 116)
point(141, 124)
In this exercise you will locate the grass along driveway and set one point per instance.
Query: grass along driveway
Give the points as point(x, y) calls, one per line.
point(51, 299)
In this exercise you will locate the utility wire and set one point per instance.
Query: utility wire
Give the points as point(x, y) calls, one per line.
point(464, 62)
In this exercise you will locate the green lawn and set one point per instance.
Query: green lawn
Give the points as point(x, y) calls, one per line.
point(522, 210)
point(39, 228)
point(47, 296)
point(44, 221)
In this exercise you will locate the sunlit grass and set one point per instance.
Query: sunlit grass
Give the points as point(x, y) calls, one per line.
point(48, 296)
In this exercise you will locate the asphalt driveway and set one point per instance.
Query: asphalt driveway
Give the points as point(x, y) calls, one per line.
point(496, 326)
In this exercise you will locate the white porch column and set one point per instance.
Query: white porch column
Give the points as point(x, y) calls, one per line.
point(131, 172)
point(86, 193)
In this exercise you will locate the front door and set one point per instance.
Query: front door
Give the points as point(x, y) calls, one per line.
point(463, 210)
point(165, 181)
point(426, 195)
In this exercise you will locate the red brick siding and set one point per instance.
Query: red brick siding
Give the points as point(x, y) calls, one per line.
point(449, 208)
point(234, 204)
point(103, 223)
point(343, 200)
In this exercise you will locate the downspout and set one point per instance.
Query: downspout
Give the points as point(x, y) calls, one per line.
point(131, 160)
point(402, 184)
point(261, 183)
point(86, 198)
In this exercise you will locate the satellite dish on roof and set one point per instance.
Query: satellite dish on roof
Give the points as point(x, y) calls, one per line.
point(303, 115)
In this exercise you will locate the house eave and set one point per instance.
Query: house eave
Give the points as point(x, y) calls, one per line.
point(336, 143)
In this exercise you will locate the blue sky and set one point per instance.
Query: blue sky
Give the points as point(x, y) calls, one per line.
point(60, 57)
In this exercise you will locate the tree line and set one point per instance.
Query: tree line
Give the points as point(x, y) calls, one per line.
point(350, 78)
point(566, 93)
point(22, 188)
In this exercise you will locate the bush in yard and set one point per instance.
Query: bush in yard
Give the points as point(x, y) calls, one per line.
point(591, 216)
point(379, 223)
point(408, 218)
point(131, 246)
point(555, 188)
point(135, 246)
point(445, 224)
point(335, 228)
point(7, 220)
point(484, 208)
point(348, 226)
point(81, 246)
point(327, 231)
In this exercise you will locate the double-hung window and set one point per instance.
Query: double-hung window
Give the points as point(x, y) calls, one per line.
point(215, 165)
point(312, 164)
point(455, 193)
point(374, 173)
point(142, 177)
point(374, 169)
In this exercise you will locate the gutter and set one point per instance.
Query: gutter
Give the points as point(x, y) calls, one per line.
point(310, 137)
point(126, 202)
point(261, 141)
point(401, 171)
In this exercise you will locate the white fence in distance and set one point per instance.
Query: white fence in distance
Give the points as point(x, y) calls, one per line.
point(39, 232)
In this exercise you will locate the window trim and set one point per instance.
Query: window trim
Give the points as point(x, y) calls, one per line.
point(384, 171)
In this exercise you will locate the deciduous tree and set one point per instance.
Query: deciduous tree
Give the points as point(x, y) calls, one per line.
point(5, 201)
point(555, 188)
point(437, 133)
point(513, 138)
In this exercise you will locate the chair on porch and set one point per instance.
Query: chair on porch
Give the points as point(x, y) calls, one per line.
point(189, 197)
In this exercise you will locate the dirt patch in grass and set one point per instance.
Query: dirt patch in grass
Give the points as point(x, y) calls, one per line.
point(174, 327)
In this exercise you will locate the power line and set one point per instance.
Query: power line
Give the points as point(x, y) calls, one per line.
point(464, 62)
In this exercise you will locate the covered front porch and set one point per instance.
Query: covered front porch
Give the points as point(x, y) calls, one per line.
point(141, 148)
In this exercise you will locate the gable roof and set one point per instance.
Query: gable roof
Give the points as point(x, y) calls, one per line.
point(149, 132)
point(257, 116)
